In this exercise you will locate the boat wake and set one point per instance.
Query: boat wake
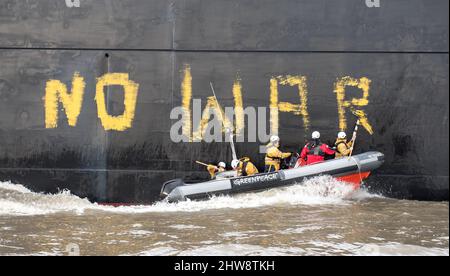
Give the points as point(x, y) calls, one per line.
point(16, 200)
point(19, 201)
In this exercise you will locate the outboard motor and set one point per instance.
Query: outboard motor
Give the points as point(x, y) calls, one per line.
point(169, 186)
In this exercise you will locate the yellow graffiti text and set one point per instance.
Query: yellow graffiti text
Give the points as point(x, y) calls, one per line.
point(238, 106)
point(212, 107)
point(55, 92)
point(124, 121)
point(295, 108)
point(186, 92)
point(353, 104)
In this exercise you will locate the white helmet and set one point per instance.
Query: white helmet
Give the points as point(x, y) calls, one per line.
point(222, 165)
point(342, 135)
point(274, 139)
point(315, 135)
point(234, 164)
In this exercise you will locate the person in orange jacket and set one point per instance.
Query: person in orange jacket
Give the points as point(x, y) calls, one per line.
point(213, 170)
point(244, 167)
point(274, 155)
point(343, 148)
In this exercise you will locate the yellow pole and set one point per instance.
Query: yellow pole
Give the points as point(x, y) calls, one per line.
point(201, 163)
point(355, 131)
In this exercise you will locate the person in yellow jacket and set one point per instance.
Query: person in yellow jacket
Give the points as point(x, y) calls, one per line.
point(221, 167)
point(274, 155)
point(343, 148)
point(244, 167)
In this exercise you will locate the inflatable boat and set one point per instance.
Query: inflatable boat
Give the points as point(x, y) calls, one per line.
point(348, 169)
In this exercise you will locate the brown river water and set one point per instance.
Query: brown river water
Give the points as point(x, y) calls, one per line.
point(317, 217)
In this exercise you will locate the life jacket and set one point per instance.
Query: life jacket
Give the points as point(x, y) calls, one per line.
point(243, 167)
point(315, 152)
point(212, 171)
point(341, 142)
point(271, 151)
point(342, 147)
point(245, 162)
point(316, 149)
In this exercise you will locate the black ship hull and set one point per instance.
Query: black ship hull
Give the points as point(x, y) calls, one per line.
point(389, 62)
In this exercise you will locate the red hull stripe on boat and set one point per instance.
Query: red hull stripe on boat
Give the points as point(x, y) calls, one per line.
point(354, 179)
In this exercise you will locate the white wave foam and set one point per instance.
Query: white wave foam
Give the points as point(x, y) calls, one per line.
point(8, 186)
point(18, 200)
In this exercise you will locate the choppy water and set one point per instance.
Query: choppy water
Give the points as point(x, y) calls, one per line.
point(318, 217)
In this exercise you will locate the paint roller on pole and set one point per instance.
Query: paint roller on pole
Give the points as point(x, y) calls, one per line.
point(201, 163)
point(355, 132)
point(233, 150)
